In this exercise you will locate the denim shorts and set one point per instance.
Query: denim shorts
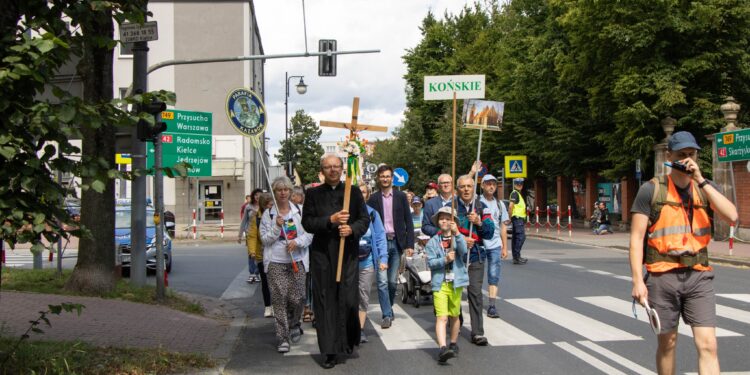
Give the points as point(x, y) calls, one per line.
point(493, 266)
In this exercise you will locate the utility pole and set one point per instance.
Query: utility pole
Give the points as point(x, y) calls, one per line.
point(138, 185)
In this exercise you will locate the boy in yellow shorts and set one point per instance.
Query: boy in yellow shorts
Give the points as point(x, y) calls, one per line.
point(449, 276)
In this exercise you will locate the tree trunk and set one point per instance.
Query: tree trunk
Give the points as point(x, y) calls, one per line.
point(94, 271)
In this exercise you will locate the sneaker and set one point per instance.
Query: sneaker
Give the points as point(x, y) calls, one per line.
point(454, 346)
point(387, 321)
point(445, 355)
point(492, 312)
point(283, 347)
point(362, 337)
point(251, 279)
point(296, 335)
point(268, 312)
point(479, 340)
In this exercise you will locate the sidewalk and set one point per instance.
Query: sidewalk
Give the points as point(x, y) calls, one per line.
point(717, 250)
point(110, 322)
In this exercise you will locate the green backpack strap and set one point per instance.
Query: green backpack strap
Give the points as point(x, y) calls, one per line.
point(658, 198)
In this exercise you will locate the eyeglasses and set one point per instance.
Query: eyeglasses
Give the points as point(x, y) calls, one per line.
point(329, 167)
point(385, 177)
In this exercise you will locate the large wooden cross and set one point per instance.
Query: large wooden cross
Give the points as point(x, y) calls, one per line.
point(354, 129)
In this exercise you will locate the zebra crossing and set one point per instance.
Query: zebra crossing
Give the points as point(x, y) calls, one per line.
point(584, 324)
point(25, 259)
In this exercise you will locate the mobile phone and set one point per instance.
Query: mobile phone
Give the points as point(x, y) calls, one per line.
point(678, 166)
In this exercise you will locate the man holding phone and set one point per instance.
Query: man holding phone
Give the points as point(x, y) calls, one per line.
point(670, 232)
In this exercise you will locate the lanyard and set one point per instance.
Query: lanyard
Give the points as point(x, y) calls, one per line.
point(685, 213)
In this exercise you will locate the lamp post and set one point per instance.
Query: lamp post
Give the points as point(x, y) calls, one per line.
point(301, 89)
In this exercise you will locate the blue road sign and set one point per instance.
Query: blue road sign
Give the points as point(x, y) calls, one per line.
point(400, 177)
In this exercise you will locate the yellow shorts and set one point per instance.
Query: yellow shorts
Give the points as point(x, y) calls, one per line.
point(447, 300)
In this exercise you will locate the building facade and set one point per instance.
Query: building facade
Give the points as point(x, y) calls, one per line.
point(196, 30)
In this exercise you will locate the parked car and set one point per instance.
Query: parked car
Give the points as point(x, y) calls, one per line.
point(123, 243)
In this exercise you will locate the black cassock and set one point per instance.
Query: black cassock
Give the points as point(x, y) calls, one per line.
point(335, 304)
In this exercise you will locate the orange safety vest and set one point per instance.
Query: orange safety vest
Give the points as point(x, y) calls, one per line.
point(672, 231)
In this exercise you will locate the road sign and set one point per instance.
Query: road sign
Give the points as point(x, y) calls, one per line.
point(733, 146)
point(515, 166)
point(638, 166)
point(400, 177)
point(123, 159)
point(371, 168)
point(443, 87)
point(135, 32)
point(188, 139)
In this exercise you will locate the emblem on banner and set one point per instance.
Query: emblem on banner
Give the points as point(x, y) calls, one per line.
point(246, 112)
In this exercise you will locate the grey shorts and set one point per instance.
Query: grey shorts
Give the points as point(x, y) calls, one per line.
point(683, 292)
point(365, 285)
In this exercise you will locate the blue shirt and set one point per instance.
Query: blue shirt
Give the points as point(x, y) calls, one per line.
point(375, 238)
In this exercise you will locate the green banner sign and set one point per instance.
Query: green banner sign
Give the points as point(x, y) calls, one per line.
point(734, 145)
point(187, 139)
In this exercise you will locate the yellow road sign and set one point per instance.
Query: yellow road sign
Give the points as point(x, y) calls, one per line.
point(123, 159)
point(515, 166)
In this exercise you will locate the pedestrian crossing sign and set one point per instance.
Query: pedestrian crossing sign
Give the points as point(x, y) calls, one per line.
point(515, 166)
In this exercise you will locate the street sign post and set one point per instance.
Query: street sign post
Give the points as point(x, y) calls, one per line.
point(400, 177)
point(188, 139)
point(135, 32)
point(733, 146)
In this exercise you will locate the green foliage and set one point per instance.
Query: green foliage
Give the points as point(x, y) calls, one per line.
point(40, 117)
point(302, 147)
point(585, 83)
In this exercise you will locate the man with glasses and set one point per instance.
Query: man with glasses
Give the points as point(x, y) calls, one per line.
point(336, 304)
point(475, 223)
point(393, 208)
point(431, 207)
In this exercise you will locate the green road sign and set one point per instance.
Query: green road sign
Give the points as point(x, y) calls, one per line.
point(734, 145)
point(187, 139)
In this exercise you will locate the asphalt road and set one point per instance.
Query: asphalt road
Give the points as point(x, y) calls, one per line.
point(567, 311)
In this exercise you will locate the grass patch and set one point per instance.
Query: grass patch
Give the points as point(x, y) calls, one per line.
point(47, 281)
point(64, 357)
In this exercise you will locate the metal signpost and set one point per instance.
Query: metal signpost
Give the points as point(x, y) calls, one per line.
point(187, 139)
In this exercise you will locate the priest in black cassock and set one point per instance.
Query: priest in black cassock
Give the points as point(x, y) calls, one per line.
point(335, 304)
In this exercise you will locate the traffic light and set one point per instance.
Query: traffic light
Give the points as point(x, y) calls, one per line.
point(144, 130)
point(327, 63)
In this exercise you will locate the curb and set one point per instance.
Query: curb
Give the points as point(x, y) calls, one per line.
point(717, 259)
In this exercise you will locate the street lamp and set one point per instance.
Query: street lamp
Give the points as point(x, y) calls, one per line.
point(301, 89)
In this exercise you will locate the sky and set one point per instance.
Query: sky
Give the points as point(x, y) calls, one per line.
point(392, 26)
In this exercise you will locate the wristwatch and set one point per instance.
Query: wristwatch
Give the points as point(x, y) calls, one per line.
point(702, 184)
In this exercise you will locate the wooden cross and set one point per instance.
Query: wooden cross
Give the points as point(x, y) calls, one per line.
point(354, 129)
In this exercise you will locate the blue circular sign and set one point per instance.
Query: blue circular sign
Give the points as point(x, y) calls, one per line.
point(246, 112)
point(400, 177)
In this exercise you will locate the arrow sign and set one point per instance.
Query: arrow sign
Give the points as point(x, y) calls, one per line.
point(400, 177)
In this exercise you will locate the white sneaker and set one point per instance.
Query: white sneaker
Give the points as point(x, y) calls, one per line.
point(268, 313)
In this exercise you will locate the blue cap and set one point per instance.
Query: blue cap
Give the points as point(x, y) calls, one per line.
point(681, 140)
point(518, 181)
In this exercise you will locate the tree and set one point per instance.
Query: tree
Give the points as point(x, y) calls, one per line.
point(39, 118)
point(302, 147)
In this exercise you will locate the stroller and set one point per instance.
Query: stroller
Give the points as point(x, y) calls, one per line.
point(416, 277)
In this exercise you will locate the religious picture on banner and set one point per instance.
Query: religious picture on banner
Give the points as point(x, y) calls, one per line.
point(246, 112)
point(483, 114)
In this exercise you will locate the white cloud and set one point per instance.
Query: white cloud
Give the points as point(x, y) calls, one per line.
point(389, 25)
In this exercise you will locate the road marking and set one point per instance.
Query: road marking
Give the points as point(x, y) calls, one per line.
point(571, 265)
point(307, 345)
point(625, 308)
point(545, 260)
point(624, 362)
point(599, 365)
point(626, 278)
point(239, 288)
point(738, 297)
point(732, 313)
point(582, 325)
point(405, 333)
point(603, 273)
point(500, 333)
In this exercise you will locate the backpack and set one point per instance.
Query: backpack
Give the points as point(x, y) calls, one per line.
point(659, 200)
point(366, 249)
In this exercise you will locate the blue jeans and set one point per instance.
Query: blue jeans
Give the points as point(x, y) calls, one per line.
point(519, 236)
point(493, 266)
point(387, 280)
point(251, 265)
point(602, 228)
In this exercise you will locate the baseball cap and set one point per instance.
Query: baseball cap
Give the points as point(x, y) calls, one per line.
point(518, 180)
point(443, 210)
point(416, 200)
point(431, 185)
point(681, 140)
point(488, 177)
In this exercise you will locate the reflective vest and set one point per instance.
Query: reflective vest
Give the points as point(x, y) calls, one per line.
point(672, 241)
point(519, 209)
